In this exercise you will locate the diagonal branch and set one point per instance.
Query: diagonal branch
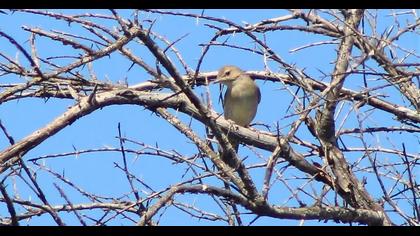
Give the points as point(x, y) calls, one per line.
point(204, 112)
point(354, 192)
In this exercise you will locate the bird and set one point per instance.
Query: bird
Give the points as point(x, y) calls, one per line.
point(240, 100)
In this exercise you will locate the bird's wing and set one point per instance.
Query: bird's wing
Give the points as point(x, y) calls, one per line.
point(258, 94)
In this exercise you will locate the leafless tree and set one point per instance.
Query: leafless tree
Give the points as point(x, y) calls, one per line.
point(329, 162)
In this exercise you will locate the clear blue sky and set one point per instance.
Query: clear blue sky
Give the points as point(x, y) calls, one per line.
point(96, 173)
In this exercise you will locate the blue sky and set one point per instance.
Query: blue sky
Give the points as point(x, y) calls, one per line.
point(96, 172)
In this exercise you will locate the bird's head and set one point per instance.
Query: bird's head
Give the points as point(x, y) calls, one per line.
point(228, 74)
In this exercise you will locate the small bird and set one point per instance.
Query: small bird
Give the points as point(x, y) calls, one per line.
point(241, 98)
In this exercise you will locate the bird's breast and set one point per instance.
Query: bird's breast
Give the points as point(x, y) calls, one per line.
point(241, 104)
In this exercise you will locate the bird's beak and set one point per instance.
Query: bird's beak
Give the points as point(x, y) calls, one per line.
point(216, 81)
point(219, 80)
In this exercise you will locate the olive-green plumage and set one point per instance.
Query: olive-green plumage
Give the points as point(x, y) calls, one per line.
point(241, 98)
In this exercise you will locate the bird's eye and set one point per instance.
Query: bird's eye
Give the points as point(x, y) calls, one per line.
point(227, 73)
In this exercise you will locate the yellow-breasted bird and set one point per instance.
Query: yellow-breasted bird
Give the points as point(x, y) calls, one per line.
point(241, 98)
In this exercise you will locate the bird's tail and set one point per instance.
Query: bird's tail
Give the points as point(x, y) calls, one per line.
point(225, 155)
